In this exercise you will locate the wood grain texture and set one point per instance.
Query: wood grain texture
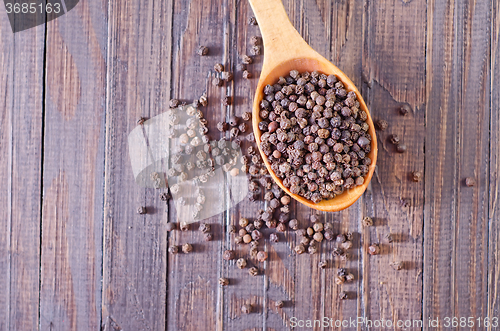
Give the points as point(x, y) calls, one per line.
point(21, 112)
point(194, 298)
point(134, 261)
point(71, 266)
point(394, 73)
point(458, 121)
point(494, 171)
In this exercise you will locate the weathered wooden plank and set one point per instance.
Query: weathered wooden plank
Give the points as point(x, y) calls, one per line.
point(70, 294)
point(457, 119)
point(135, 246)
point(194, 299)
point(21, 111)
point(494, 171)
point(394, 73)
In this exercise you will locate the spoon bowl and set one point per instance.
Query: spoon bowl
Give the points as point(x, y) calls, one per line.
point(285, 50)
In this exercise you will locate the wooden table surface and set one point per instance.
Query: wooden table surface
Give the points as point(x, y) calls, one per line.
point(75, 255)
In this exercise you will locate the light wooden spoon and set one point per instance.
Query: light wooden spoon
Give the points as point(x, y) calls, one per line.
point(285, 50)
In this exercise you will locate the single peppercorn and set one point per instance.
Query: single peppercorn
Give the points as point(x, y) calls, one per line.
point(299, 249)
point(228, 255)
point(404, 109)
point(218, 67)
point(401, 148)
point(469, 182)
point(346, 245)
point(322, 265)
point(293, 224)
point(247, 238)
point(339, 280)
point(241, 263)
point(187, 248)
point(343, 295)
point(261, 256)
point(238, 240)
point(226, 101)
point(184, 226)
point(349, 277)
point(141, 210)
point(394, 139)
point(273, 237)
point(388, 237)
point(382, 125)
point(279, 304)
point(253, 271)
point(208, 236)
point(246, 74)
point(397, 265)
point(246, 309)
point(226, 76)
point(246, 59)
point(243, 222)
point(374, 249)
point(173, 249)
point(223, 281)
point(247, 116)
point(204, 227)
point(174, 103)
point(141, 121)
point(367, 221)
point(216, 81)
point(416, 176)
point(252, 20)
point(202, 50)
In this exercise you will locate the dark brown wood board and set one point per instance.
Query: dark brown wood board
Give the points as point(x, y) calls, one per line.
point(458, 122)
point(21, 153)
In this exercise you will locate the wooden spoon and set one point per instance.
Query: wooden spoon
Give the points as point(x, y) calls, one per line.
point(285, 50)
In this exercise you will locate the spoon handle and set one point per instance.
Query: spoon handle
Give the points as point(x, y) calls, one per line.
point(281, 40)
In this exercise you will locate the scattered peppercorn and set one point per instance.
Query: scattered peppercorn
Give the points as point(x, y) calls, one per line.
point(279, 304)
point(216, 81)
point(404, 109)
point(204, 227)
point(226, 76)
point(173, 249)
point(202, 50)
point(141, 120)
point(256, 50)
point(208, 236)
point(187, 248)
point(174, 103)
point(343, 295)
point(469, 182)
point(246, 309)
point(299, 249)
point(223, 281)
point(397, 265)
point(367, 221)
point(226, 101)
point(247, 116)
point(246, 59)
point(346, 245)
point(141, 210)
point(382, 125)
point(374, 249)
point(228, 255)
point(184, 226)
point(253, 271)
point(241, 263)
point(416, 176)
point(246, 74)
point(261, 256)
point(395, 140)
point(401, 148)
point(322, 265)
point(252, 21)
point(219, 67)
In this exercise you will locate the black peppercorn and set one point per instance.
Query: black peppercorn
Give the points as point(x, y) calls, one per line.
point(141, 210)
point(202, 50)
point(469, 182)
point(173, 249)
point(218, 67)
point(404, 109)
point(401, 148)
point(228, 255)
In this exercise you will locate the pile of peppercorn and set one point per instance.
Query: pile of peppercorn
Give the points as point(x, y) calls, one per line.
point(314, 135)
